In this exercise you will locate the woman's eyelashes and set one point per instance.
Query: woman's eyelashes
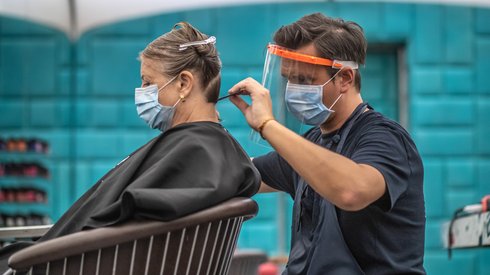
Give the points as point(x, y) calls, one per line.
point(145, 83)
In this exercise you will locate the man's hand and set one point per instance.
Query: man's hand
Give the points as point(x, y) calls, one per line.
point(261, 108)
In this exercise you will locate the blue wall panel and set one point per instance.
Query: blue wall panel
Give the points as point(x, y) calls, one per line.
point(459, 80)
point(463, 262)
point(115, 67)
point(447, 112)
point(426, 80)
point(482, 124)
point(12, 113)
point(483, 174)
point(379, 82)
point(28, 66)
point(428, 35)
point(45, 113)
point(35, 102)
point(367, 15)
point(397, 21)
point(88, 114)
point(461, 173)
point(434, 185)
point(482, 65)
point(458, 44)
point(444, 142)
point(240, 42)
point(98, 144)
point(482, 21)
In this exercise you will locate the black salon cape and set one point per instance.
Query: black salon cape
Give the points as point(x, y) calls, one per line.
point(188, 168)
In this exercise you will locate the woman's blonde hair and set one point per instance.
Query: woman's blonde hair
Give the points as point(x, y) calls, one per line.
point(200, 59)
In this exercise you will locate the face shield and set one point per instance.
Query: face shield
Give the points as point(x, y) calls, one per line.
point(295, 81)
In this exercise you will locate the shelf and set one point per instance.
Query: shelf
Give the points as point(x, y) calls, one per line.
point(36, 183)
point(13, 208)
point(27, 153)
point(19, 157)
point(44, 184)
point(16, 182)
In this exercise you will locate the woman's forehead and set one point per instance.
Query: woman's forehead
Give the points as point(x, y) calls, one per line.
point(150, 65)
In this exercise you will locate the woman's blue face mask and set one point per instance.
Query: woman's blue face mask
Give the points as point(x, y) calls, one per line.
point(150, 110)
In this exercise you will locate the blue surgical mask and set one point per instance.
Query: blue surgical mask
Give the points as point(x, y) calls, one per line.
point(150, 110)
point(305, 102)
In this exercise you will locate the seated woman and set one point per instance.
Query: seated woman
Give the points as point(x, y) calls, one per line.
point(193, 164)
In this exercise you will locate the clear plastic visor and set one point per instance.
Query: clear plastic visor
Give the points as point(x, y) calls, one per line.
point(284, 65)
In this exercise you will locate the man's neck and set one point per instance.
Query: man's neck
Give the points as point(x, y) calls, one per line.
point(343, 109)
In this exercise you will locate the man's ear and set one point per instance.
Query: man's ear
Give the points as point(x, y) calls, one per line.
point(346, 79)
point(185, 82)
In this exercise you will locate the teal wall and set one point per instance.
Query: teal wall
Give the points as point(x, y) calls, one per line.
point(35, 91)
point(80, 98)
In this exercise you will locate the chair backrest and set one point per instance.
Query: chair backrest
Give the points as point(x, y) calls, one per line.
point(247, 262)
point(200, 243)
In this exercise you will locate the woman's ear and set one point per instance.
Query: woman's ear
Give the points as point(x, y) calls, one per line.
point(346, 79)
point(185, 82)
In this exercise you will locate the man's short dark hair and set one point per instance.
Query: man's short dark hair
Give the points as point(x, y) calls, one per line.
point(334, 38)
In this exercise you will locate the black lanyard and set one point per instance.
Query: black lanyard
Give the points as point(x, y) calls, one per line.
point(342, 137)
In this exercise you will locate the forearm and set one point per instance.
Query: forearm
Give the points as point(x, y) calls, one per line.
point(343, 182)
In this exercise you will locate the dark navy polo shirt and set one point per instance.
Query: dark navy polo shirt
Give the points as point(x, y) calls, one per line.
point(387, 237)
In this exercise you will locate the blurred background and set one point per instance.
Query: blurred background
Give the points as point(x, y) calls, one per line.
point(67, 112)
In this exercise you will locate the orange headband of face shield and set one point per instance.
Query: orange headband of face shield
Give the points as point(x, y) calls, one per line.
point(286, 53)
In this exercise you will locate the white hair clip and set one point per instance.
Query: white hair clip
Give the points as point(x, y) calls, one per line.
point(210, 40)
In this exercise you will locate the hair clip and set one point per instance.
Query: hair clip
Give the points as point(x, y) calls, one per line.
point(210, 40)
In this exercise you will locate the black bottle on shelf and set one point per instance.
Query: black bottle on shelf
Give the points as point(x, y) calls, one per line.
point(31, 145)
point(3, 145)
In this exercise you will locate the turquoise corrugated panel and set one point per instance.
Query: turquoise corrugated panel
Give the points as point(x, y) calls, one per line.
point(447, 63)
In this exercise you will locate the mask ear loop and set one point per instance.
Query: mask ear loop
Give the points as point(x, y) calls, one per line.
point(333, 104)
point(166, 84)
point(181, 98)
point(328, 81)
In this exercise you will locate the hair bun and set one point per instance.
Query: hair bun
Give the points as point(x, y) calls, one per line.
point(207, 50)
point(178, 51)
